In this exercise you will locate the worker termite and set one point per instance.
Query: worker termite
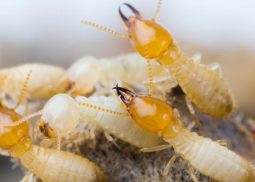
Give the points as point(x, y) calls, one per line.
point(61, 115)
point(202, 85)
point(42, 83)
point(205, 155)
point(130, 69)
point(48, 164)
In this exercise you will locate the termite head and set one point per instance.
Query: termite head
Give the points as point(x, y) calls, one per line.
point(60, 116)
point(46, 129)
point(149, 38)
point(10, 134)
point(150, 113)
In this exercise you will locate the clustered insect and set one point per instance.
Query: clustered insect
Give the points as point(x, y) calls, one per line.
point(144, 121)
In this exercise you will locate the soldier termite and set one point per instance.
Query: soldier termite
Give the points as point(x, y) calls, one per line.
point(48, 164)
point(61, 115)
point(41, 86)
point(205, 155)
point(202, 85)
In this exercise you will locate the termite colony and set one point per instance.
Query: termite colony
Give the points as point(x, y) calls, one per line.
point(78, 108)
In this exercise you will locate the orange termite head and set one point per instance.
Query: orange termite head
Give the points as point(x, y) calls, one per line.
point(150, 113)
point(149, 38)
point(11, 134)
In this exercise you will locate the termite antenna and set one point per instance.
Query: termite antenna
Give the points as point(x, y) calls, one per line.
point(125, 94)
point(105, 29)
point(26, 118)
point(126, 19)
point(23, 91)
point(155, 17)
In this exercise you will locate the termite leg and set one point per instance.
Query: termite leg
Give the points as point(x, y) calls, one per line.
point(191, 126)
point(150, 78)
point(110, 139)
point(168, 166)
point(192, 173)
point(216, 67)
point(156, 148)
point(23, 92)
point(192, 111)
point(237, 122)
point(105, 29)
point(159, 5)
point(222, 143)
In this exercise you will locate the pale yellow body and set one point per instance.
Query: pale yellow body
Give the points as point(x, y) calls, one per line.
point(59, 166)
point(212, 159)
point(62, 114)
point(203, 86)
point(120, 125)
point(42, 83)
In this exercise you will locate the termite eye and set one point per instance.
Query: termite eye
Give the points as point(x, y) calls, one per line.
point(125, 18)
point(46, 129)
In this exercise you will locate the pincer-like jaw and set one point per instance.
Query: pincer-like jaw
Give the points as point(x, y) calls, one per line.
point(125, 94)
point(128, 20)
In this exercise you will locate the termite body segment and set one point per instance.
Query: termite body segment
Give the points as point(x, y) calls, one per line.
point(202, 85)
point(42, 83)
point(205, 155)
point(48, 164)
point(62, 114)
point(113, 118)
point(131, 68)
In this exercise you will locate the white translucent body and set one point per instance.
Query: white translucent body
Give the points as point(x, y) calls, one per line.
point(132, 68)
point(61, 112)
point(42, 83)
point(120, 126)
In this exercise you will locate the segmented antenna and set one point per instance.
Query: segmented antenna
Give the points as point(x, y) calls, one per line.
point(105, 29)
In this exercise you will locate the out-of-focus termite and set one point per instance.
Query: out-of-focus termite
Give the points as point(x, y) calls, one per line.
point(41, 86)
point(205, 155)
point(202, 85)
point(48, 164)
point(130, 69)
point(62, 113)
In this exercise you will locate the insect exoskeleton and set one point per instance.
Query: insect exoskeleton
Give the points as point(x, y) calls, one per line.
point(131, 68)
point(203, 86)
point(205, 155)
point(48, 164)
point(109, 114)
point(61, 115)
point(42, 82)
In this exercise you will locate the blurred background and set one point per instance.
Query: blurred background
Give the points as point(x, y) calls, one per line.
point(47, 31)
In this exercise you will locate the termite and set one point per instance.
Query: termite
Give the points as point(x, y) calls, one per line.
point(86, 72)
point(205, 155)
point(42, 82)
point(203, 85)
point(48, 164)
point(61, 115)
